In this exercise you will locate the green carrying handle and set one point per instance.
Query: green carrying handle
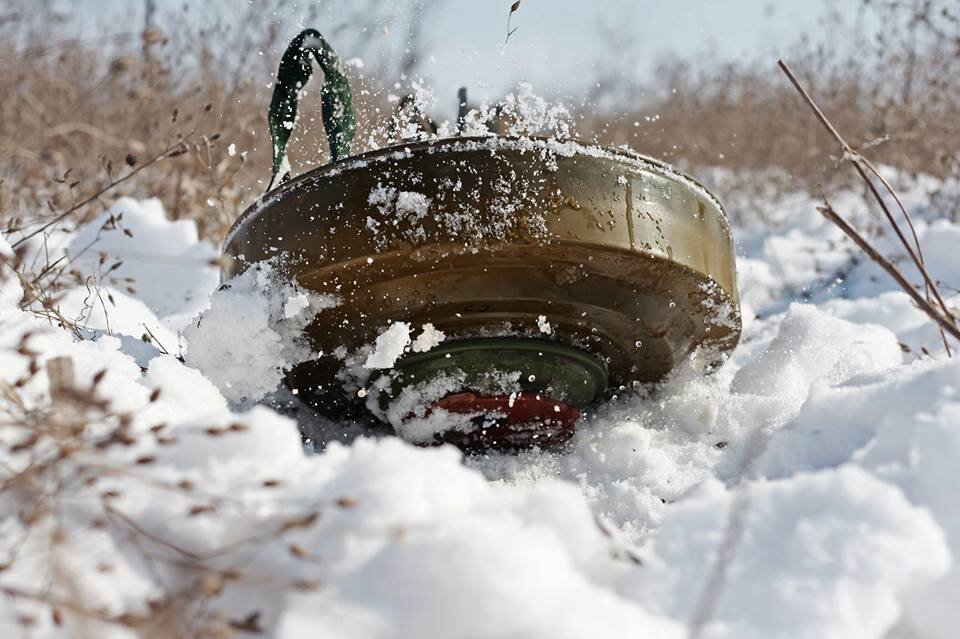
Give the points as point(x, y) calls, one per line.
point(336, 98)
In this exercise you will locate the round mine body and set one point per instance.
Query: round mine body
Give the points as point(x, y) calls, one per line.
point(611, 266)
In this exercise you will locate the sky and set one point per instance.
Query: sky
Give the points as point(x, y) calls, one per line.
point(558, 45)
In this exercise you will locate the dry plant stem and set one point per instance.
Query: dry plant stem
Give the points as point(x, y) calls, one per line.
point(918, 258)
point(859, 162)
point(114, 513)
point(944, 322)
point(862, 165)
point(113, 184)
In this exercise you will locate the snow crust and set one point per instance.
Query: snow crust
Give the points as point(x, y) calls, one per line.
point(828, 444)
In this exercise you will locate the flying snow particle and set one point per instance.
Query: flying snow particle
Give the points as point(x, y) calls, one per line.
point(389, 346)
point(544, 325)
point(295, 304)
point(427, 339)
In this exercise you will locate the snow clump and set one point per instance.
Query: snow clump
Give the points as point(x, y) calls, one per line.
point(252, 333)
point(391, 343)
point(428, 338)
point(543, 325)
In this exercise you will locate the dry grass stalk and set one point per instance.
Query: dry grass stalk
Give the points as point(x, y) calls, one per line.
point(932, 303)
point(67, 451)
point(946, 322)
point(178, 148)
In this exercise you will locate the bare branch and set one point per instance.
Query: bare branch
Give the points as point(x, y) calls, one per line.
point(865, 169)
point(179, 145)
point(944, 322)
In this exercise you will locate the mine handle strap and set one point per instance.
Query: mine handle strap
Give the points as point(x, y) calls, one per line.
point(336, 98)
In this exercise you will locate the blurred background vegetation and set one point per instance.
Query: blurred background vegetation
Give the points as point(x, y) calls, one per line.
point(78, 109)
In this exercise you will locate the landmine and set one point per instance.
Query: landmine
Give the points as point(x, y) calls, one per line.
point(564, 268)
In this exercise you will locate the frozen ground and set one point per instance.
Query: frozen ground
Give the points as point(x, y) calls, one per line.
point(828, 445)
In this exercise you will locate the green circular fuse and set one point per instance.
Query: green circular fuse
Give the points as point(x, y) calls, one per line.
point(564, 373)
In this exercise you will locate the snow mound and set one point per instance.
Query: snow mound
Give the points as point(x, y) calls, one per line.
point(436, 551)
point(823, 555)
point(162, 261)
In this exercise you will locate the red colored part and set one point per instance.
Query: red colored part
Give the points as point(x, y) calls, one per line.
point(512, 421)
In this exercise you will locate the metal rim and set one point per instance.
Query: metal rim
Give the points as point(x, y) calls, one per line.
point(362, 159)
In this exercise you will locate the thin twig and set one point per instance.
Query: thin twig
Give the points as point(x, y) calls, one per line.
point(513, 9)
point(859, 162)
point(154, 338)
point(943, 322)
point(112, 513)
point(123, 178)
point(865, 168)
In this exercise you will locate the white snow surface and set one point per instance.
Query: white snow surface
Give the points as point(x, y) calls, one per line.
point(829, 444)
point(252, 333)
point(163, 261)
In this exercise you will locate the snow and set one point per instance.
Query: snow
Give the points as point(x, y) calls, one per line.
point(167, 266)
point(817, 559)
point(806, 489)
point(543, 325)
point(413, 205)
point(10, 290)
point(109, 311)
point(295, 305)
point(390, 344)
point(428, 338)
point(251, 334)
point(403, 209)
